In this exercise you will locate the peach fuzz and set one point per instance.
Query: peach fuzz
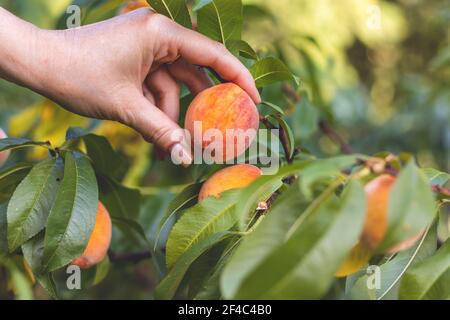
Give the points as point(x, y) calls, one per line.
point(99, 241)
point(234, 177)
point(223, 107)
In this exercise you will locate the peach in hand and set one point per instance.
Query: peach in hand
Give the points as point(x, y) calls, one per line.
point(227, 119)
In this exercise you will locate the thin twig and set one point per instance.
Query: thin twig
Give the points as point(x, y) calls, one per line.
point(335, 137)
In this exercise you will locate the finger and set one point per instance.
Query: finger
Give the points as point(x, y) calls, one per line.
point(156, 127)
point(195, 78)
point(148, 94)
point(166, 92)
point(197, 49)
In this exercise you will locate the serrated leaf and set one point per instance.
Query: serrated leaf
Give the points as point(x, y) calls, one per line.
point(169, 285)
point(30, 204)
point(17, 143)
point(72, 217)
point(200, 221)
point(313, 252)
point(242, 48)
point(429, 279)
point(221, 20)
point(186, 198)
point(271, 70)
point(411, 206)
point(174, 9)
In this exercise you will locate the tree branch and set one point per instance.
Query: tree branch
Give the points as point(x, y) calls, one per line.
point(329, 131)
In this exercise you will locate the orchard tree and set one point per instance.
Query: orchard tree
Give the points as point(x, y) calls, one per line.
point(351, 226)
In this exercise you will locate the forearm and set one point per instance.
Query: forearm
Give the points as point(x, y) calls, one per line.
point(22, 54)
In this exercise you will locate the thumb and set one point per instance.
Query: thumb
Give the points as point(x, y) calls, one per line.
point(156, 127)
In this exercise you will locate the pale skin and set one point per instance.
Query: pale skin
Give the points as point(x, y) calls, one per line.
point(125, 69)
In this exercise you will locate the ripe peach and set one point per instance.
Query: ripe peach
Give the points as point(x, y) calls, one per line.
point(132, 5)
point(375, 225)
point(358, 257)
point(99, 241)
point(225, 108)
point(4, 155)
point(234, 177)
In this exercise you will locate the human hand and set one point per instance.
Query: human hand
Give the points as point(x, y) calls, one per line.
point(126, 69)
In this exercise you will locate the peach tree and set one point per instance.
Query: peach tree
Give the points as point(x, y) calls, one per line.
point(297, 233)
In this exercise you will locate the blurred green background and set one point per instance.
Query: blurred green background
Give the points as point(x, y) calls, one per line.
point(377, 71)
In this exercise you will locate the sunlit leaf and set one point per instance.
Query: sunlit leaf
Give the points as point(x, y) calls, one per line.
point(221, 20)
point(271, 70)
point(174, 9)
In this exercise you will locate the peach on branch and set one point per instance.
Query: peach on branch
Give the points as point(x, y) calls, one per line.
point(377, 193)
point(224, 120)
point(234, 177)
point(99, 241)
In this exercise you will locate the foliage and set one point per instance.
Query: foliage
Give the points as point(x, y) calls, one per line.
point(318, 91)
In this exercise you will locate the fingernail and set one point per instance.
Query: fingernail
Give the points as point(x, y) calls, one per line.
point(180, 155)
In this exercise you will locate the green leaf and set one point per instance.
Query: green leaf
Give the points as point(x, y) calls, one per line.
point(48, 283)
point(33, 251)
point(31, 202)
point(101, 271)
point(312, 254)
point(259, 190)
point(174, 9)
point(411, 206)
point(221, 20)
point(271, 70)
point(3, 230)
point(130, 227)
point(17, 143)
point(186, 198)
point(169, 285)
point(10, 178)
point(105, 160)
point(429, 279)
point(436, 177)
point(391, 271)
point(287, 131)
point(72, 217)
point(269, 234)
point(121, 201)
point(274, 107)
point(306, 119)
point(200, 221)
point(242, 48)
point(309, 171)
